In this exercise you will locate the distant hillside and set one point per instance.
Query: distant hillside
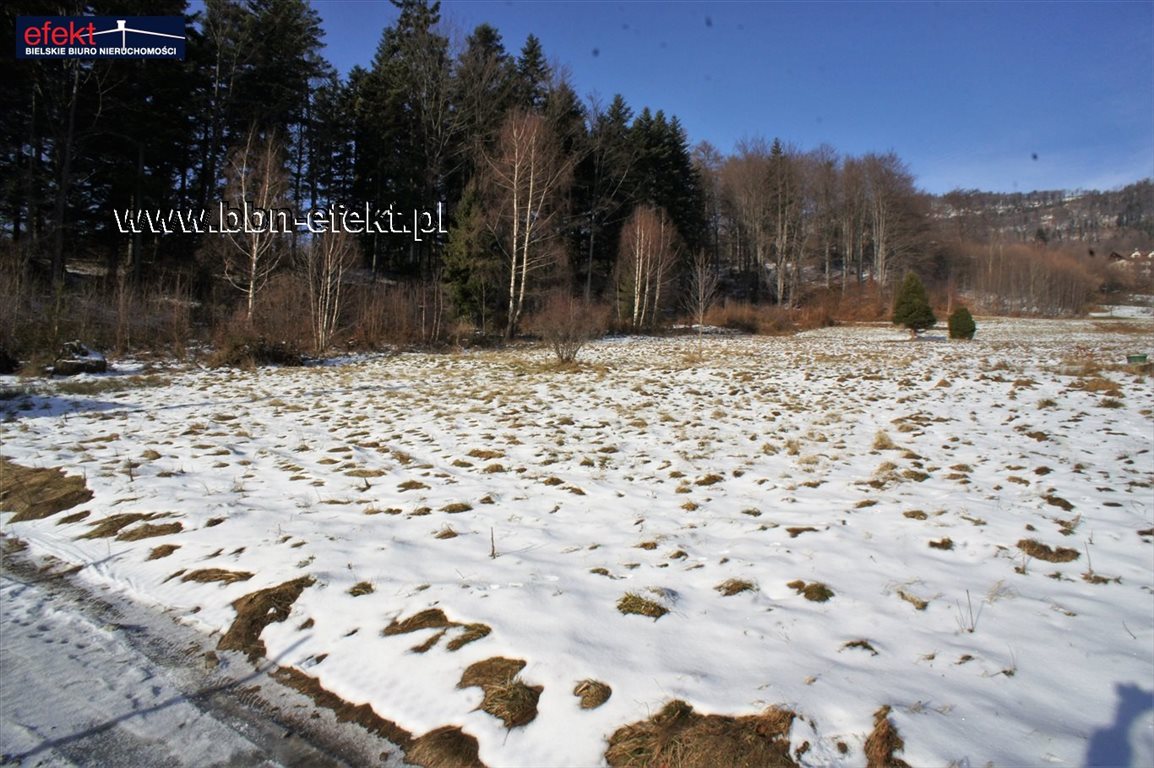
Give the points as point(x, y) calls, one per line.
point(1121, 218)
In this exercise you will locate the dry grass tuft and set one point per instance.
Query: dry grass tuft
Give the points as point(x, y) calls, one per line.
point(862, 644)
point(710, 479)
point(506, 697)
point(256, 611)
point(678, 736)
point(111, 526)
point(148, 531)
point(456, 507)
point(34, 494)
point(634, 603)
point(913, 600)
point(946, 543)
point(799, 530)
point(445, 747)
point(432, 618)
point(883, 442)
point(814, 591)
point(592, 693)
point(208, 575)
point(361, 588)
point(732, 587)
point(882, 742)
point(164, 550)
point(1043, 552)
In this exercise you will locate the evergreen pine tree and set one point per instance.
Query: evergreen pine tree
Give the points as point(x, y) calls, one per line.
point(912, 306)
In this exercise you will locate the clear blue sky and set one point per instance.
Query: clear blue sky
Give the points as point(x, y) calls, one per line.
point(1002, 96)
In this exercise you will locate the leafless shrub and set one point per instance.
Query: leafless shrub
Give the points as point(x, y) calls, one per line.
point(567, 324)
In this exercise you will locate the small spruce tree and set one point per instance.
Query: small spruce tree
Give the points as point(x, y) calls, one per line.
point(912, 306)
point(962, 324)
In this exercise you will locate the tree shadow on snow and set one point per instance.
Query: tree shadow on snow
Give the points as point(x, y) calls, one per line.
point(1111, 746)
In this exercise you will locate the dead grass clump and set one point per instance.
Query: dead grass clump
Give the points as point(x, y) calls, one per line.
point(913, 600)
point(946, 543)
point(111, 526)
point(361, 588)
point(432, 618)
point(207, 575)
point(883, 442)
point(862, 644)
point(797, 531)
point(710, 479)
point(1057, 501)
point(148, 531)
point(446, 533)
point(164, 550)
point(506, 697)
point(411, 485)
point(445, 747)
point(732, 587)
point(256, 611)
point(632, 602)
point(34, 494)
point(1043, 552)
point(456, 507)
point(882, 742)
point(814, 591)
point(485, 454)
point(678, 736)
point(915, 514)
point(1098, 384)
point(592, 693)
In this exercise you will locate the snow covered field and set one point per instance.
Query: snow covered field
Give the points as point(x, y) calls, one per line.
point(979, 514)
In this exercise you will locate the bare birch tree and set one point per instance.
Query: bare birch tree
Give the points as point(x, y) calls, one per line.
point(257, 188)
point(702, 289)
point(323, 265)
point(649, 248)
point(527, 178)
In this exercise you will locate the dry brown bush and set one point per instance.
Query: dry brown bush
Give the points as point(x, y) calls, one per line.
point(567, 324)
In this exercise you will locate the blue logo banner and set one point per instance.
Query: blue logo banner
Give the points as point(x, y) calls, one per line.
point(100, 37)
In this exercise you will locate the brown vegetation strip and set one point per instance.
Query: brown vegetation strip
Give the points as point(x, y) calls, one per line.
point(207, 575)
point(111, 526)
point(435, 618)
point(148, 531)
point(34, 494)
point(678, 736)
point(256, 611)
point(446, 747)
point(882, 742)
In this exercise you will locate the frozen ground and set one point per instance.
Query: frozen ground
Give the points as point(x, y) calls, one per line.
point(920, 482)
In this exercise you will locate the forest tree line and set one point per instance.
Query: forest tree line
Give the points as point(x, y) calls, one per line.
point(544, 192)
